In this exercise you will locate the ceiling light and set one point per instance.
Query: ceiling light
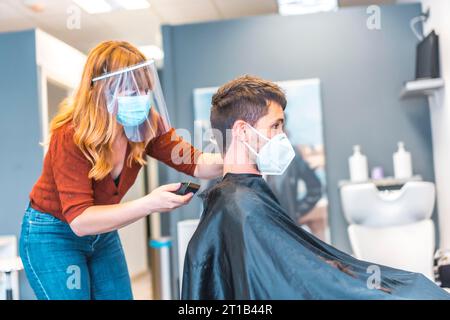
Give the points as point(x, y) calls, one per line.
point(290, 7)
point(152, 52)
point(133, 4)
point(94, 6)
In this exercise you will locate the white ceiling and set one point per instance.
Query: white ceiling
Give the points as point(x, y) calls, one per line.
point(140, 27)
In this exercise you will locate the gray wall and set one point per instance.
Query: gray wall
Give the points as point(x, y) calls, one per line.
point(361, 73)
point(20, 132)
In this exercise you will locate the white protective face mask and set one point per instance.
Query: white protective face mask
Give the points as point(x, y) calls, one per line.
point(275, 156)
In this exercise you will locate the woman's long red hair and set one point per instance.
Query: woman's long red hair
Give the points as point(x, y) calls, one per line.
point(95, 128)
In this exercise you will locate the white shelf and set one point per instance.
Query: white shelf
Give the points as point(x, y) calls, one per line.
point(422, 87)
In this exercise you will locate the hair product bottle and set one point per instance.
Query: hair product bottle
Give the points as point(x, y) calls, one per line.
point(359, 170)
point(402, 163)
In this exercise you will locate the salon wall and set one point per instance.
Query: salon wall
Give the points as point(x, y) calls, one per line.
point(20, 132)
point(361, 73)
point(440, 113)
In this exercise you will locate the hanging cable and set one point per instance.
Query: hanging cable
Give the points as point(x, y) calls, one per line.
point(422, 18)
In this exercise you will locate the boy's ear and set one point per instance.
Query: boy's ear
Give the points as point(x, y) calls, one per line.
point(240, 130)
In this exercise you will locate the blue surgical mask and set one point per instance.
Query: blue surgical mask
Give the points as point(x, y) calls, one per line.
point(275, 156)
point(133, 110)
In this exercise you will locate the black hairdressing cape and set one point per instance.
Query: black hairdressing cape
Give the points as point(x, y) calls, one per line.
point(247, 247)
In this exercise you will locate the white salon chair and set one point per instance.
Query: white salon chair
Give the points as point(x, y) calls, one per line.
point(9, 268)
point(10, 265)
point(392, 228)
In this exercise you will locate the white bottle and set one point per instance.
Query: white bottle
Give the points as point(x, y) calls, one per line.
point(359, 170)
point(402, 163)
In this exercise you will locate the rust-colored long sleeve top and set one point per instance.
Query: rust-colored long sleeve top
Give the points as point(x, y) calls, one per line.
point(65, 190)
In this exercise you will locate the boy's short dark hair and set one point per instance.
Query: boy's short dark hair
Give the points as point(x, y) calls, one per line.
point(246, 98)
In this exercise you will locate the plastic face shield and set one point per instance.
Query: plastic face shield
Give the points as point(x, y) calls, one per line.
point(134, 96)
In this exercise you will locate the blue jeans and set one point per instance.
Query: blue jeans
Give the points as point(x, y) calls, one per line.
point(62, 266)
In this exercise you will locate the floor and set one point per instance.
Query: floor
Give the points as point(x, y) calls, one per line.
point(142, 287)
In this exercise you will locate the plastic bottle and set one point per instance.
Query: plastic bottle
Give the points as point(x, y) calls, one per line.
point(402, 163)
point(359, 170)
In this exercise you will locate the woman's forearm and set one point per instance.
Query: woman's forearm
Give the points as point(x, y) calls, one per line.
point(105, 218)
point(209, 166)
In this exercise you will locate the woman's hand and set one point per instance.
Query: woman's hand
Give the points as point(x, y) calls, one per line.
point(164, 199)
point(105, 218)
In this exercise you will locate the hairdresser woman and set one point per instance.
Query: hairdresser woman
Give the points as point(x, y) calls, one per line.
point(69, 243)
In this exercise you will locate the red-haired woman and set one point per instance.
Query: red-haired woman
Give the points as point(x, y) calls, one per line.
point(69, 243)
